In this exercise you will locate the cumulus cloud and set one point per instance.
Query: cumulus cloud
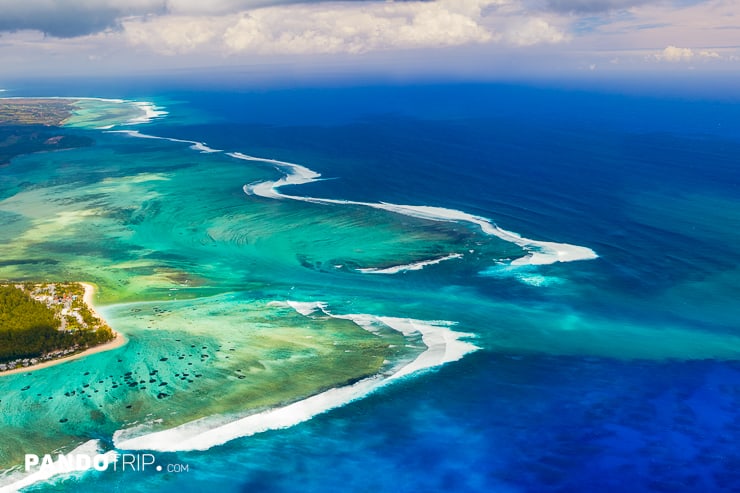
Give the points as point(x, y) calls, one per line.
point(709, 54)
point(675, 54)
point(531, 31)
point(171, 35)
point(338, 27)
point(239, 28)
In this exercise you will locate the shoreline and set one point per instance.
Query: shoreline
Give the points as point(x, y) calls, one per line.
point(118, 341)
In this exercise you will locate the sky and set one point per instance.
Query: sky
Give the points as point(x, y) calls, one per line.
point(495, 39)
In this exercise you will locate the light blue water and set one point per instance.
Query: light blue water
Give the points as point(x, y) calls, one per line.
point(611, 374)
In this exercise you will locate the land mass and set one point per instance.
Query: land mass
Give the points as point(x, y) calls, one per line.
point(35, 111)
point(44, 324)
point(28, 125)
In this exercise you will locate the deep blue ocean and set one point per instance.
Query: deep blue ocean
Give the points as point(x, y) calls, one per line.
point(616, 374)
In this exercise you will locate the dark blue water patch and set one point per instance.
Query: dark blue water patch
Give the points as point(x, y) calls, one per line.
point(569, 184)
point(333, 104)
point(484, 159)
point(494, 422)
point(239, 99)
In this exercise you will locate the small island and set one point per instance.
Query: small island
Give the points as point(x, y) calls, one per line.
point(42, 324)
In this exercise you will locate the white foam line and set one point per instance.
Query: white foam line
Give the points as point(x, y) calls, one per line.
point(296, 175)
point(443, 346)
point(305, 308)
point(196, 146)
point(539, 252)
point(409, 267)
point(150, 112)
point(57, 468)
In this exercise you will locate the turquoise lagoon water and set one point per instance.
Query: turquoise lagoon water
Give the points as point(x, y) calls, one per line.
point(594, 374)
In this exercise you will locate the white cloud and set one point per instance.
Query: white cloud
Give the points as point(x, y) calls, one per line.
point(675, 54)
point(528, 32)
point(709, 54)
point(173, 35)
point(477, 35)
point(342, 27)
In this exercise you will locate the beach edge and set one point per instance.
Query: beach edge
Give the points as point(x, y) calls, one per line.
point(118, 341)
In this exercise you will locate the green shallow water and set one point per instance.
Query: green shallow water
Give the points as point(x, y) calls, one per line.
point(138, 217)
point(104, 113)
point(224, 355)
point(189, 268)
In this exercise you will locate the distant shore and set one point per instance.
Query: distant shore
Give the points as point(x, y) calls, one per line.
point(49, 112)
point(118, 341)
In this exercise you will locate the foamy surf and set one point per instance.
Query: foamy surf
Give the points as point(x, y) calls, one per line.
point(538, 252)
point(443, 346)
point(148, 111)
point(201, 147)
point(151, 112)
point(305, 308)
point(410, 267)
point(18, 480)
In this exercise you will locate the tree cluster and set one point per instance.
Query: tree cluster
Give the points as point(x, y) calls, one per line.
point(28, 328)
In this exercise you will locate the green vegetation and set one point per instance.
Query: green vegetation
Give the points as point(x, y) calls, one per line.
point(46, 321)
point(30, 111)
point(27, 327)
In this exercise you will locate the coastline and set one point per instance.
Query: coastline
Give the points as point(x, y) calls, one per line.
point(118, 341)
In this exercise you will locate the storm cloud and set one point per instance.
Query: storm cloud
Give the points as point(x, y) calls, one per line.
point(66, 19)
point(71, 18)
